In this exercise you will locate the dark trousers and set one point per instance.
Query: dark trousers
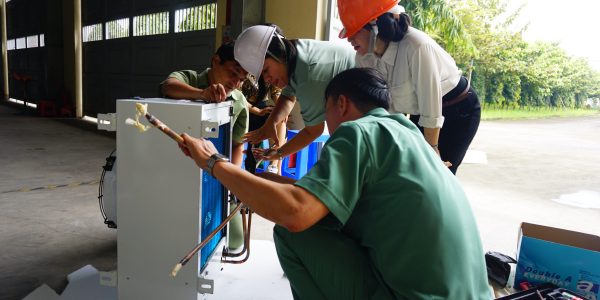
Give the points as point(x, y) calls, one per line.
point(254, 122)
point(461, 122)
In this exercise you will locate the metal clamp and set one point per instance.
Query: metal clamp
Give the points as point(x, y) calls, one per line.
point(107, 122)
point(209, 129)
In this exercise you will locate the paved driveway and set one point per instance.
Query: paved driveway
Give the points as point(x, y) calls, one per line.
point(530, 163)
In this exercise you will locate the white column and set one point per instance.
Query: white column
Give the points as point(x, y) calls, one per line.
point(78, 59)
point(4, 51)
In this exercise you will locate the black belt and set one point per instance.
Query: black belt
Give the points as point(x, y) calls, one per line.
point(458, 94)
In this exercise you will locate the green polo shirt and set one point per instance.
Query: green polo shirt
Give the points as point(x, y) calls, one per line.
point(240, 107)
point(317, 62)
point(387, 189)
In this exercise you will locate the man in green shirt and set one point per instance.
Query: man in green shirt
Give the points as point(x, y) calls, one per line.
point(217, 84)
point(379, 216)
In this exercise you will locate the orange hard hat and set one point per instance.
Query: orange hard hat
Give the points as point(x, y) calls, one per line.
point(357, 13)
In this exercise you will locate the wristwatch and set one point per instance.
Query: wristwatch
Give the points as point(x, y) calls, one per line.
point(279, 153)
point(213, 159)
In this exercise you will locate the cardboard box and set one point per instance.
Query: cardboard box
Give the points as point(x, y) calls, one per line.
point(568, 259)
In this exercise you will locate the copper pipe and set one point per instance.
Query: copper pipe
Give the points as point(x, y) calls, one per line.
point(246, 241)
point(193, 252)
point(226, 252)
point(164, 128)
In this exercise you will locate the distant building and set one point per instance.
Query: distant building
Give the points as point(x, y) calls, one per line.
point(592, 103)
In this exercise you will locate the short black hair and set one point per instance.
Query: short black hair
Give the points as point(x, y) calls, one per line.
point(365, 87)
point(225, 52)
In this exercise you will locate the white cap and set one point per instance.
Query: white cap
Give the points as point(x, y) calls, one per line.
point(251, 47)
point(397, 9)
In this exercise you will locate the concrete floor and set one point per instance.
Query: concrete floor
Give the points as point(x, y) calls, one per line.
point(531, 163)
point(48, 233)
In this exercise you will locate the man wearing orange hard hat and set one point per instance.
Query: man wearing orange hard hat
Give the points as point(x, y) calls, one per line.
point(424, 79)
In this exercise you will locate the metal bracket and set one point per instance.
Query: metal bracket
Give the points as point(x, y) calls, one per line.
point(107, 122)
point(209, 129)
point(206, 286)
point(108, 278)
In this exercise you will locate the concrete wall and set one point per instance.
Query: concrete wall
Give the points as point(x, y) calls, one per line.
point(242, 14)
point(298, 19)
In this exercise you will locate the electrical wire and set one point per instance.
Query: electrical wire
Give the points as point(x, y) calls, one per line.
point(107, 167)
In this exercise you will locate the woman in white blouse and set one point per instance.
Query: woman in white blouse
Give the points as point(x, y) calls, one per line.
point(424, 79)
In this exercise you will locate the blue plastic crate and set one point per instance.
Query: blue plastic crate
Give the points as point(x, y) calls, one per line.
point(305, 158)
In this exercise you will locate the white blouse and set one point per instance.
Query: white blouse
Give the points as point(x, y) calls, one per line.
point(419, 72)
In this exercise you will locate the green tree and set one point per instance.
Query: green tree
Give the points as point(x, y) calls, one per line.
point(197, 18)
point(438, 19)
point(117, 29)
point(506, 70)
point(92, 33)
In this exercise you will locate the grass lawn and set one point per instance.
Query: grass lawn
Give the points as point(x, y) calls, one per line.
point(491, 113)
